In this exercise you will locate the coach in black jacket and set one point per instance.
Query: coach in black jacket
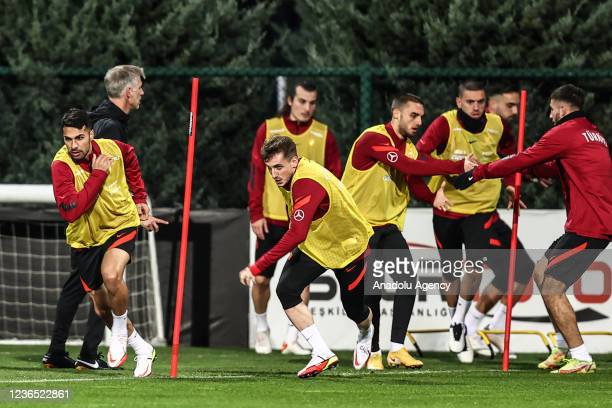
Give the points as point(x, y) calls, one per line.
point(124, 89)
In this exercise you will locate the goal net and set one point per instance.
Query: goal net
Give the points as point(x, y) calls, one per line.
point(35, 263)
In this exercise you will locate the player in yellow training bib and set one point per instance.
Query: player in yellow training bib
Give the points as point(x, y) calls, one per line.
point(326, 231)
point(93, 191)
point(381, 172)
point(267, 209)
point(472, 218)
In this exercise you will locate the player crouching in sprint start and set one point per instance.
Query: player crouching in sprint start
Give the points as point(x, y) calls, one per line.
point(329, 233)
point(96, 185)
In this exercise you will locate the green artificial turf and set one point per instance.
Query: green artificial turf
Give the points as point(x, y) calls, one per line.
point(238, 377)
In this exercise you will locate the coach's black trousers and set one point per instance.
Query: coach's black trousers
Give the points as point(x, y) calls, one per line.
point(70, 298)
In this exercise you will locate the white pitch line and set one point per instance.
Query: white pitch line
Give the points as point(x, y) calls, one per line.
point(56, 380)
point(419, 372)
point(239, 376)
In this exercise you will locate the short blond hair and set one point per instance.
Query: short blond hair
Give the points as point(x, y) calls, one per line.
point(278, 144)
point(119, 77)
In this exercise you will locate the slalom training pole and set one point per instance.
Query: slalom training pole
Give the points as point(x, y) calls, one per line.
point(515, 217)
point(180, 286)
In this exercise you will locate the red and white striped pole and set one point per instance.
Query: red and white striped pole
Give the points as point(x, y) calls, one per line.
point(180, 286)
point(515, 217)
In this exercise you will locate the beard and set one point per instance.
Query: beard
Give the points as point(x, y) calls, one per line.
point(405, 133)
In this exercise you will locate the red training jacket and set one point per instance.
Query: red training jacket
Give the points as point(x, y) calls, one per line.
point(73, 204)
point(581, 154)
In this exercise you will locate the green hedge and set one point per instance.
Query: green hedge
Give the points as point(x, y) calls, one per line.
point(54, 54)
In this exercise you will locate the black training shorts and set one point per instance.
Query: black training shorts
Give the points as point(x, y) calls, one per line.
point(87, 262)
point(571, 255)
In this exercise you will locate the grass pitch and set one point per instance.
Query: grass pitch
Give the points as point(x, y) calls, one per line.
point(241, 378)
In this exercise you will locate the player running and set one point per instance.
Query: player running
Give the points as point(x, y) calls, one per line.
point(472, 220)
point(502, 100)
point(96, 185)
point(576, 151)
point(267, 210)
point(376, 175)
point(329, 233)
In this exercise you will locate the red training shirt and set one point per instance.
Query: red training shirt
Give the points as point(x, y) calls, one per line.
point(316, 201)
point(581, 155)
point(373, 147)
point(255, 187)
point(73, 204)
point(436, 136)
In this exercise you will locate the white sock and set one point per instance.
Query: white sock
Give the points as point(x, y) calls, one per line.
point(581, 353)
point(261, 322)
point(395, 347)
point(292, 334)
point(473, 318)
point(561, 343)
point(119, 325)
point(499, 318)
point(314, 338)
point(139, 345)
point(461, 310)
point(451, 312)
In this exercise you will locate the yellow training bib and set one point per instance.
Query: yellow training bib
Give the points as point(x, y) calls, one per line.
point(114, 208)
point(481, 197)
point(310, 144)
point(342, 234)
point(380, 192)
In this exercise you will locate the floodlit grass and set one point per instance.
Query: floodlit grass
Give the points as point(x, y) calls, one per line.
point(237, 378)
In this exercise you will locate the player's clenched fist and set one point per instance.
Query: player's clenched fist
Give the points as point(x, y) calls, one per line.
point(246, 277)
point(101, 162)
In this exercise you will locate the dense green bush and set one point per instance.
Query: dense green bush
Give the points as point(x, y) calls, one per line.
point(455, 34)
point(38, 38)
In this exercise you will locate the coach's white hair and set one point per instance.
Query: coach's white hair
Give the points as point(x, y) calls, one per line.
point(119, 77)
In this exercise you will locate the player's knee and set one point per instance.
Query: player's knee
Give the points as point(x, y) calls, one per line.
point(552, 287)
point(288, 295)
point(113, 282)
point(105, 315)
point(538, 272)
point(262, 282)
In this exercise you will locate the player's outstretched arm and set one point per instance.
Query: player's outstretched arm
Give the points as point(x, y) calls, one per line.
point(378, 148)
point(307, 195)
point(463, 181)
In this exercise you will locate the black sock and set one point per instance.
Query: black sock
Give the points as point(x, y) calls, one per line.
point(402, 311)
point(373, 301)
